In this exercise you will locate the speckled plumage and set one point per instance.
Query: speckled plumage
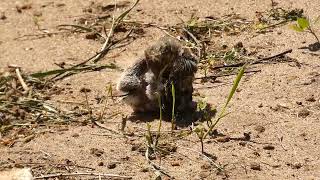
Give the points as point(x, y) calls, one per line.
point(162, 64)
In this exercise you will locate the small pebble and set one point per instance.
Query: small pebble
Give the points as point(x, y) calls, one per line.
point(223, 139)
point(255, 166)
point(311, 99)
point(144, 170)
point(303, 113)
point(268, 147)
point(175, 163)
point(260, 129)
point(91, 35)
point(206, 166)
point(2, 16)
point(75, 135)
point(96, 152)
point(296, 165)
point(60, 4)
point(111, 165)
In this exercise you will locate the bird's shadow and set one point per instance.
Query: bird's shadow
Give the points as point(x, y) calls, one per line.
point(182, 119)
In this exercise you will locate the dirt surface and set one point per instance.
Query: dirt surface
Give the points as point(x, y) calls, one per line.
point(271, 131)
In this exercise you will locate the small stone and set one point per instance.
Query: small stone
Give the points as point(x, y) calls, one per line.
point(3, 16)
point(256, 154)
point(260, 129)
point(223, 139)
point(75, 135)
point(85, 90)
point(296, 165)
point(175, 163)
point(205, 166)
point(247, 136)
point(60, 4)
point(100, 164)
point(91, 35)
point(303, 113)
point(268, 147)
point(135, 147)
point(96, 152)
point(28, 49)
point(255, 166)
point(87, 9)
point(111, 165)
point(311, 99)
point(144, 170)
point(130, 134)
point(224, 46)
point(125, 158)
point(19, 8)
point(239, 45)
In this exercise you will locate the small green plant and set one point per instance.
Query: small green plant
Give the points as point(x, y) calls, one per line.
point(305, 25)
point(205, 111)
point(173, 92)
point(192, 23)
point(276, 17)
point(160, 119)
point(223, 111)
point(148, 136)
point(201, 130)
point(109, 94)
point(152, 143)
point(230, 56)
point(36, 21)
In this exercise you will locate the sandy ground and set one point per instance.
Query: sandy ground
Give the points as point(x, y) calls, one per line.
point(269, 105)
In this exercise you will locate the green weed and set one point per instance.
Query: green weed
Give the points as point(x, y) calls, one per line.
point(306, 25)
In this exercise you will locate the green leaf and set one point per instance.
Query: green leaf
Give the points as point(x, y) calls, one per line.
point(233, 90)
point(110, 93)
point(234, 87)
point(148, 135)
point(303, 23)
point(173, 105)
point(260, 26)
point(124, 14)
point(296, 28)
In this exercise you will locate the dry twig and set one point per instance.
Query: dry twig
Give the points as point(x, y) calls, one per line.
point(115, 176)
point(23, 84)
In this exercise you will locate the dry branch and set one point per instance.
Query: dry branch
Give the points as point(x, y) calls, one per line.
point(23, 84)
point(115, 176)
point(254, 62)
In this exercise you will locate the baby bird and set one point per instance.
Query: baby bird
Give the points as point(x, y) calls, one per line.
point(151, 77)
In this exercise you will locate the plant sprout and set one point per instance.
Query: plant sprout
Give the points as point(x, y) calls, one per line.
point(305, 25)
